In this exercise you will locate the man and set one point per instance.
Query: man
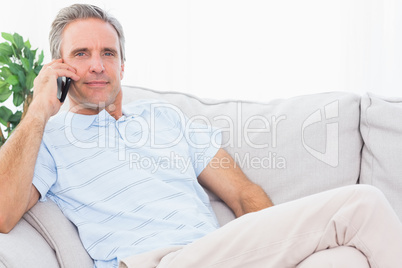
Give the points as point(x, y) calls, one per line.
point(140, 218)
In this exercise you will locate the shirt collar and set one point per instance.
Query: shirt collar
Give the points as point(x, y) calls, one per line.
point(103, 118)
point(133, 109)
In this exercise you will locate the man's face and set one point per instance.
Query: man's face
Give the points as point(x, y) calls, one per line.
point(91, 46)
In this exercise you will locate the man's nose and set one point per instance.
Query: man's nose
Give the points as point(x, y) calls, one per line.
point(96, 65)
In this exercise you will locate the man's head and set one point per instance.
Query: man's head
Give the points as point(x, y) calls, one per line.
point(76, 12)
point(91, 42)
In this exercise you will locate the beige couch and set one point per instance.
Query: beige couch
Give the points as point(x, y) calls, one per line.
point(292, 148)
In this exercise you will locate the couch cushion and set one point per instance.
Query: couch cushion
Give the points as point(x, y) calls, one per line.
point(24, 247)
point(60, 234)
point(292, 147)
point(381, 128)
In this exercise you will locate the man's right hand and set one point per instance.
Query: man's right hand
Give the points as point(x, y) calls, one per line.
point(45, 100)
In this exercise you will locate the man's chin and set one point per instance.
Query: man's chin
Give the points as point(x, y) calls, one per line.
point(88, 107)
point(93, 102)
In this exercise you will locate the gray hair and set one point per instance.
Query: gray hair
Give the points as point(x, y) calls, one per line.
point(81, 11)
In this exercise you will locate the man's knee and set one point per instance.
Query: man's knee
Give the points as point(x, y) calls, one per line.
point(369, 190)
point(370, 195)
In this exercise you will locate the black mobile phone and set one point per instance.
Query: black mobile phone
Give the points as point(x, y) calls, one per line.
point(63, 84)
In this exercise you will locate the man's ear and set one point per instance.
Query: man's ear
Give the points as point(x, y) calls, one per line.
point(122, 71)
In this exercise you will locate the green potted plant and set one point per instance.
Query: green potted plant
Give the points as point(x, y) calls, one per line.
point(19, 66)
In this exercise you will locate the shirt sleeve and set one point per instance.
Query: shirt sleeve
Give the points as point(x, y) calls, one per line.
point(204, 142)
point(45, 173)
point(202, 138)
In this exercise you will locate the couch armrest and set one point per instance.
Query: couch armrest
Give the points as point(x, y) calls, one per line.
point(25, 247)
point(336, 257)
point(60, 234)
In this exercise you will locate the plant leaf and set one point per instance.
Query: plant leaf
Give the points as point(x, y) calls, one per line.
point(18, 41)
point(18, 98)
point(14, 52)
point(6, 50)
point(34, 52)
point(15, 68)
point(3, 84)
point(21, 79)
point(31, 57)
point(27, 44)
point(5, 114)
point(5, 72)
point(30, 79)
point(17, 89)
point(37, 69)
point(15, 119)
point(5, 91)
point(40, 59)
point(12, 80)
point(25, 64)
point(5, 95)
point(8, 37)
point(4, 60)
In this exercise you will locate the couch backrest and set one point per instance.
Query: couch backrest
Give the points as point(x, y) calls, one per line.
point(381, 129)
point(292, 147)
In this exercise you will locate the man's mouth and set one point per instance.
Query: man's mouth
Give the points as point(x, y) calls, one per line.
point(96, 83)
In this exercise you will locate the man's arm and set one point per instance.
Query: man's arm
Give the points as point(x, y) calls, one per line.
point(18, 155)
point(17, 162)
point(229, 183)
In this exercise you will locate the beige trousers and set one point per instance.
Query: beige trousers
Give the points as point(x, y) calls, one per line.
point(284, 235)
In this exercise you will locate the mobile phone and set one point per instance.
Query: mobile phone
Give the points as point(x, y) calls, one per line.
point(63, 84)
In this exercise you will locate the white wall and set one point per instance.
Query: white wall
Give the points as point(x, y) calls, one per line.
point(245, 49)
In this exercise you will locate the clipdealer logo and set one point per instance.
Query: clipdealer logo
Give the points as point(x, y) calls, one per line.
point(330, 155)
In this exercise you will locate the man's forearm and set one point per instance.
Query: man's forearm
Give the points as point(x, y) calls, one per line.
point(17, 162)
point(252, 199)
point(225, 178)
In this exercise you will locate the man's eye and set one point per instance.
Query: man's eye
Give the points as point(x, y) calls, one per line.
point(80, 54)
point(109, 54)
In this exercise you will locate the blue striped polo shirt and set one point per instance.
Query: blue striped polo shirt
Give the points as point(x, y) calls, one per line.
point(130, 186)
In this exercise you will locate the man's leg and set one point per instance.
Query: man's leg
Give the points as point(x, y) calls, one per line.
point(284, 235)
